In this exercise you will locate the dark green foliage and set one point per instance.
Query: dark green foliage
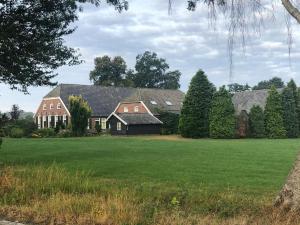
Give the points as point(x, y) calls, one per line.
point(80, 113)
point(33, 47)
point(273, 115)
point(242, 124)
point(151, 72)
point(16, 132)
point(15, 112)
point(257, 122)
point(109, 71)
point(98, 128)
point(1, 141)
point(170, 122)
point(267, 84)
point(194, 118)
point(46, 132)
point(235, 87)
point(290, 115)
point(222, 118)
point(27, 125)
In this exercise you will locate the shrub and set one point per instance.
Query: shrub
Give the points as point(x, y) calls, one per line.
point(80, 113)
point(46, 132)
point(98, 128)
point(273, 115)
point(170, 122)
point(16, 132)
point(290, 115)
point(65, 133)
point(257, 122)
point(222, 119)
point(1, 141)
point(194, 118)
point(27, 125)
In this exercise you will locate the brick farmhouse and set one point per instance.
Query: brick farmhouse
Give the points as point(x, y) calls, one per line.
point(122, 110)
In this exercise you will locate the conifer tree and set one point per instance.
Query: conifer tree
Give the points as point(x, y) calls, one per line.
point(194, 118)
point(222, 118)
point(273, 115)
point(290, 115)
point(257, 122)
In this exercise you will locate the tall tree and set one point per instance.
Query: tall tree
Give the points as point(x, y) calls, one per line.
point(267, 84)
point(15, 112)
point(257, 122)
point(109, 71)
point(273, 115)
point(235, 87)
point(152, 72)
point(194, 118)
point(31, 39)
point(80, 113)
point(290, 115)
point(222, 118)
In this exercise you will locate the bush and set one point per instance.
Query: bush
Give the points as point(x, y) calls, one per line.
point(1, 141)
point(16, 132)
point(257, 122)
point(65, 133)
point(222, 119)
point(27, 125)
point(98, 128)
point(170, 122)
point(47, 132)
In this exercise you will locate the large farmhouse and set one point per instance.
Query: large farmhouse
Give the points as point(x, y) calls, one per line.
point(123, 110)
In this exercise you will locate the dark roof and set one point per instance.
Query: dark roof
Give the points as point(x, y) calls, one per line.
point(139, 118)
point(103, 100)
point(246, 99)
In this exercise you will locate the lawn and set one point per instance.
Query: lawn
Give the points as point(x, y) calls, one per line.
point(224, 177)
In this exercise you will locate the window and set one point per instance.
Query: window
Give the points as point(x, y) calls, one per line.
point(44, 107)
point(136, 109)
point(58, 106)
point(153, 102)
point(125, 109)
point(169, 103)
point(51, 106)
point(119, 126)
point(103, 123)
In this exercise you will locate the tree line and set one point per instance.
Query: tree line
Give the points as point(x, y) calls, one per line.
point(208, 112)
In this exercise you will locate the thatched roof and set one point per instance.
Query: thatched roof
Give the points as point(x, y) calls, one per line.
point(103, 100)
point(246, 99)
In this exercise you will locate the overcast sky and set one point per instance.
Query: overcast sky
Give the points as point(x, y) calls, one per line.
point(185, 39)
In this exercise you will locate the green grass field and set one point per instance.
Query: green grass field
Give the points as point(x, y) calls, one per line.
point(236, 174)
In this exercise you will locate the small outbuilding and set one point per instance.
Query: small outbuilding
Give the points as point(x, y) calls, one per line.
point(133, 118)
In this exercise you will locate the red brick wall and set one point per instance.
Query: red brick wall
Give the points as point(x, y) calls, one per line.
point(131, 107)
point(54, 111)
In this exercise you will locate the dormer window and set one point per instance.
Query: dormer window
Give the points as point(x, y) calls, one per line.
point(125, 109)
point(136, 109)
point(58, 106)
point(153, 102)
point(44, 107)
point(51, 106)
point(169, 103)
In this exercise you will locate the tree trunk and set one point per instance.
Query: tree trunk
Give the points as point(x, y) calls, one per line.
point(289, 196)
point(292, 10)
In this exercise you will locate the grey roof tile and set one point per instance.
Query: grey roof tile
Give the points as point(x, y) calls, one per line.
point(139, 118)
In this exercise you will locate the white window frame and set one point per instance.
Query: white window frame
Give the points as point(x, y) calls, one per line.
point(58, 106)
point(119, 126)
point(103, 123)
point(153, 102)
point(136, 108)
point(45, 107)
point(125, 109)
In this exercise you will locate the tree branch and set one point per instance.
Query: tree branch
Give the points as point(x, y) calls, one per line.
point(291, 9)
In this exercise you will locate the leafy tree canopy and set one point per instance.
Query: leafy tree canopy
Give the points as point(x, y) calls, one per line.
point(152, 72)
point(235, 87)
point(267, 84)
point(109, 71)
point(257, 122)
point(31, 39)
point(15, 112)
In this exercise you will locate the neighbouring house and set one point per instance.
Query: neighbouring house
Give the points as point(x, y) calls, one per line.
point(143, 107)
